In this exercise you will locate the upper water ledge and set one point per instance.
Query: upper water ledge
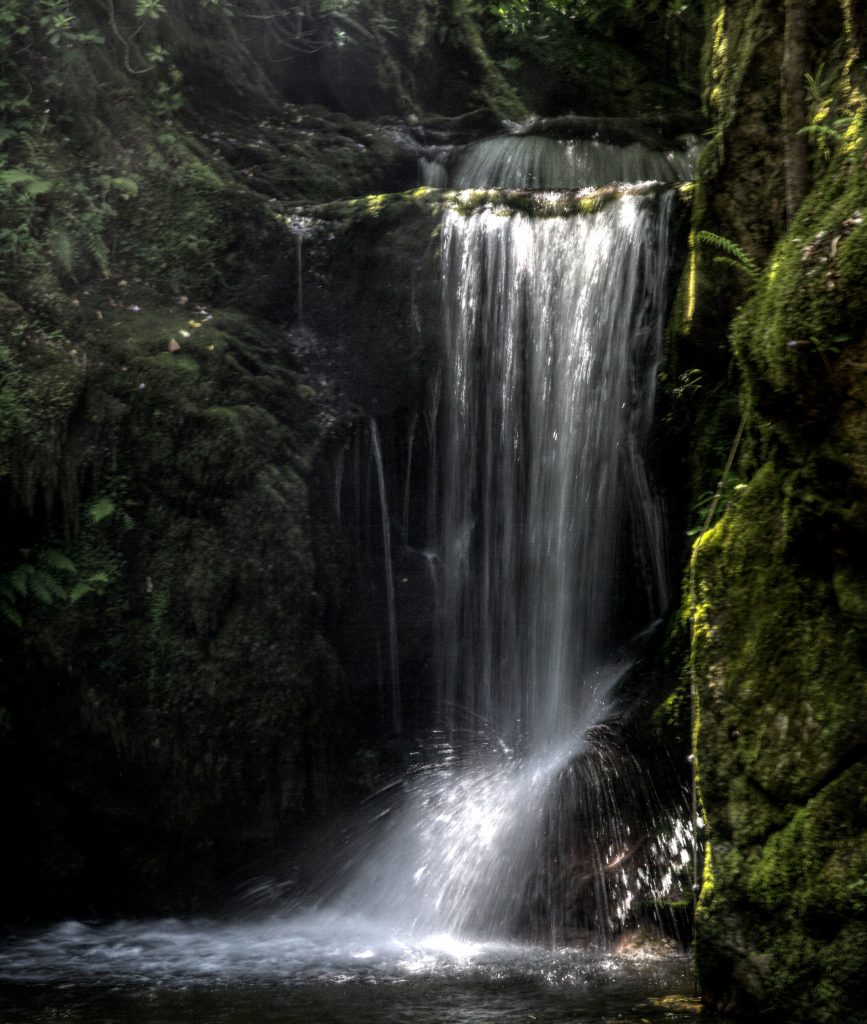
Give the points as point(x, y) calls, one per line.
point(566, 152)
point(528, 161)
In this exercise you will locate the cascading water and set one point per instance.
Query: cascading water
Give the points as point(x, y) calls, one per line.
point(301, 228)
point(537, 162)
point(529, 161)
point(550, 560)
point(552, 327)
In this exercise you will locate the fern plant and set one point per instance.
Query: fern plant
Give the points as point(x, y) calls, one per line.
point(823, 131)
point(39, 576)
point(30, 184)
point(48, 576)
point(826, 132)
point(729, 252)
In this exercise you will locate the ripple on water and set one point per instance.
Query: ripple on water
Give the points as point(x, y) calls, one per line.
point(318, 967)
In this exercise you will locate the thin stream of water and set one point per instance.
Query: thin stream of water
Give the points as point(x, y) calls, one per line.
point(394, 675)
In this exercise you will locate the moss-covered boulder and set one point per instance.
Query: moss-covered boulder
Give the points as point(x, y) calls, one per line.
point(167, 676)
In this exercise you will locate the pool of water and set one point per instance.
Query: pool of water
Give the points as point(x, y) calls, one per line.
point(328, 968)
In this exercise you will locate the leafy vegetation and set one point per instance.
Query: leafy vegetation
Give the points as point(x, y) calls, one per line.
point(731, 253)
point(45, 576)
point(524, 17)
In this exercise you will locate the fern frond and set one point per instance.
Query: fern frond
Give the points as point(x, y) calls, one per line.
point(10, 612)
point(62, 249)
point(100, 509)
point(97, 249)
point(43, 586)
point(736, 264)
point(817, 85)
point(19, 577)
point(56, 560)
point(733, 253)
point(78, 591)
point(824, 131)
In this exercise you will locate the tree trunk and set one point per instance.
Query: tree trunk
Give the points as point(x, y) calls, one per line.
point(794, 103)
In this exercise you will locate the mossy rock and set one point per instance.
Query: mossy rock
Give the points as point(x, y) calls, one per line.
point(770, 633)
point(371, 284)
point(198, 669)
point(779, 645)
point(783, 925)
point(802, 339)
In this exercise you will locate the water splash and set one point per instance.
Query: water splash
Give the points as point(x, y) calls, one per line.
point(455, 855)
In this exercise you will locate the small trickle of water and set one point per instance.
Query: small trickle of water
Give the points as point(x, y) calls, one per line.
point(376, 449)
point(300, 227)
point(433, 169)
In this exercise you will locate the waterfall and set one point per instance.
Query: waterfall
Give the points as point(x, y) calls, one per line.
point(517, 816)
point(551, 562)
point(521, 814)
point(532, 161)
point(552, 328)
point(538, 162)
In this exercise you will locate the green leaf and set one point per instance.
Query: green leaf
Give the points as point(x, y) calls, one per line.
point(78, 591)
point(734, 254)
point(19, 578)
point(30, 183)
point(11, 613)
point(39, 587)
point(56, 560)
point(101, 509)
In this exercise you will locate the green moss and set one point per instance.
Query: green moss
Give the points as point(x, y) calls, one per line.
point(767, 627)
point(810, 308)
point(549, 204)
point(395, 206)
point(799, 883)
